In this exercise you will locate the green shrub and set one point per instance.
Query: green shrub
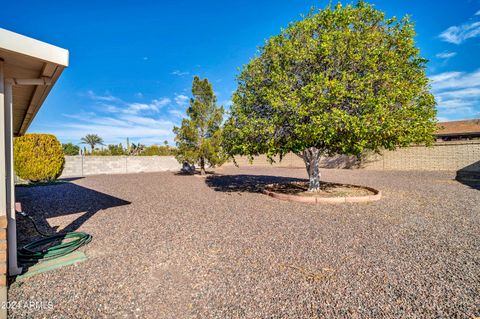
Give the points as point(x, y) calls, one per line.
point(70, 149)
point(158, 150)
point(116, 149)
point(38, 157)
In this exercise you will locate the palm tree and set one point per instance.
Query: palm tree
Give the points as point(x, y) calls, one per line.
point(92, 140)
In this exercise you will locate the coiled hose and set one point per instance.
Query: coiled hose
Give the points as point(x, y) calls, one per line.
point(31, 254)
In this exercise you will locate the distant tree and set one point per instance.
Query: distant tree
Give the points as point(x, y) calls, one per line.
point(92, 140)
point(165, 143)
point(70, 149)
point(156, 150)
point(343, 80)
point(136, 149)
point(116, 149)
point(199, 137)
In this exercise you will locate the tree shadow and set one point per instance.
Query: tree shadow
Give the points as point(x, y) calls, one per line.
point(340, 161)
point(70, 179)
point(470, 175)
point(196, 173)
point(245, 183)
point(71, 203)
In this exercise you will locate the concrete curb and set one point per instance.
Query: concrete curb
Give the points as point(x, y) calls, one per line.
point(327, 200)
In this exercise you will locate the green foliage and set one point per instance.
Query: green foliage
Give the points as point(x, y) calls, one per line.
point(199, 137)
point(38, 157)
point(116, 149)
point(135, 149)
point(70, 149)
point(341, 81)
point(156, 150)
point(92, 140)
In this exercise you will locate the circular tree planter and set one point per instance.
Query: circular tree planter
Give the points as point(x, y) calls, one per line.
point(330, 193)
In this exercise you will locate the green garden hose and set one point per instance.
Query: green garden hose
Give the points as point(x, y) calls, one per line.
point(69, 242)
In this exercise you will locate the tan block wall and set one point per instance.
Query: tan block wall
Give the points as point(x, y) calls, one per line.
point(442, 156)
point(77, 166)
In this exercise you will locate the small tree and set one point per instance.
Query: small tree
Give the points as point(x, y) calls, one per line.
point(70, 149)
point(92, 140)
point(341, 81)
point(199, 137)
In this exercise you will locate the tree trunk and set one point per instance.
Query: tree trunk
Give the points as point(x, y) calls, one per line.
point(311, 157)
point(202, 166)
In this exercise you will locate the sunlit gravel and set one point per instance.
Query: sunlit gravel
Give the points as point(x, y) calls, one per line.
point(172, 246)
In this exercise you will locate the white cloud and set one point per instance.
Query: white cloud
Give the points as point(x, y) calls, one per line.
point(449, 80)
point(115, 119)
point(104, 98)
point(457, 94)
point(114, 130)
point(180, 73)
point(458, 34)
point(177, 113)
point(154, 106)
point(477, 13)
point(181, 99)
point(446, 55)
point(114, 104)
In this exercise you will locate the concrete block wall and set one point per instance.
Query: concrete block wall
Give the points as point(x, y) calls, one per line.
point(445, 156)
point(442, 156)
point(152, 164)
point(77, 166)
point(73, 166)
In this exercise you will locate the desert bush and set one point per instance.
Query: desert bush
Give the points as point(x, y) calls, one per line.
point(38, 157)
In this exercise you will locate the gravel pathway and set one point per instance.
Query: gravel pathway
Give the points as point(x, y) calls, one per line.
point(171, 246)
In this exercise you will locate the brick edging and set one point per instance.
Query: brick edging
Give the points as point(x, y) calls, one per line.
point(327, 200)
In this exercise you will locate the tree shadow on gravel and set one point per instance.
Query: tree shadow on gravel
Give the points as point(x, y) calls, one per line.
point(55, 209)
point(470, 175)
point(197, 173)
point(245, 183)
point(59, 208)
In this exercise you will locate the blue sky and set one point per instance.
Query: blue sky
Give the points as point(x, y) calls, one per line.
point(132, 62)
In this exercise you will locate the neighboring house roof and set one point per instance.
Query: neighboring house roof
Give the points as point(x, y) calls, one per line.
point(27, 58)
point(457, 128)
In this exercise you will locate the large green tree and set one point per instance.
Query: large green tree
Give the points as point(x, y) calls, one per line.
point(341, 81)
point(199, 137)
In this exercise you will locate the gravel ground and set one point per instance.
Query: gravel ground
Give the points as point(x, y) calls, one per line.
point(171, 246)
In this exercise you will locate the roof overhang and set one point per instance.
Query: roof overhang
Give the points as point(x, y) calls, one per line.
point(27, 58)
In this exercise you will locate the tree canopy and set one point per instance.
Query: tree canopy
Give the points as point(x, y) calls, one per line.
point(199, 137)
point(343, 80)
